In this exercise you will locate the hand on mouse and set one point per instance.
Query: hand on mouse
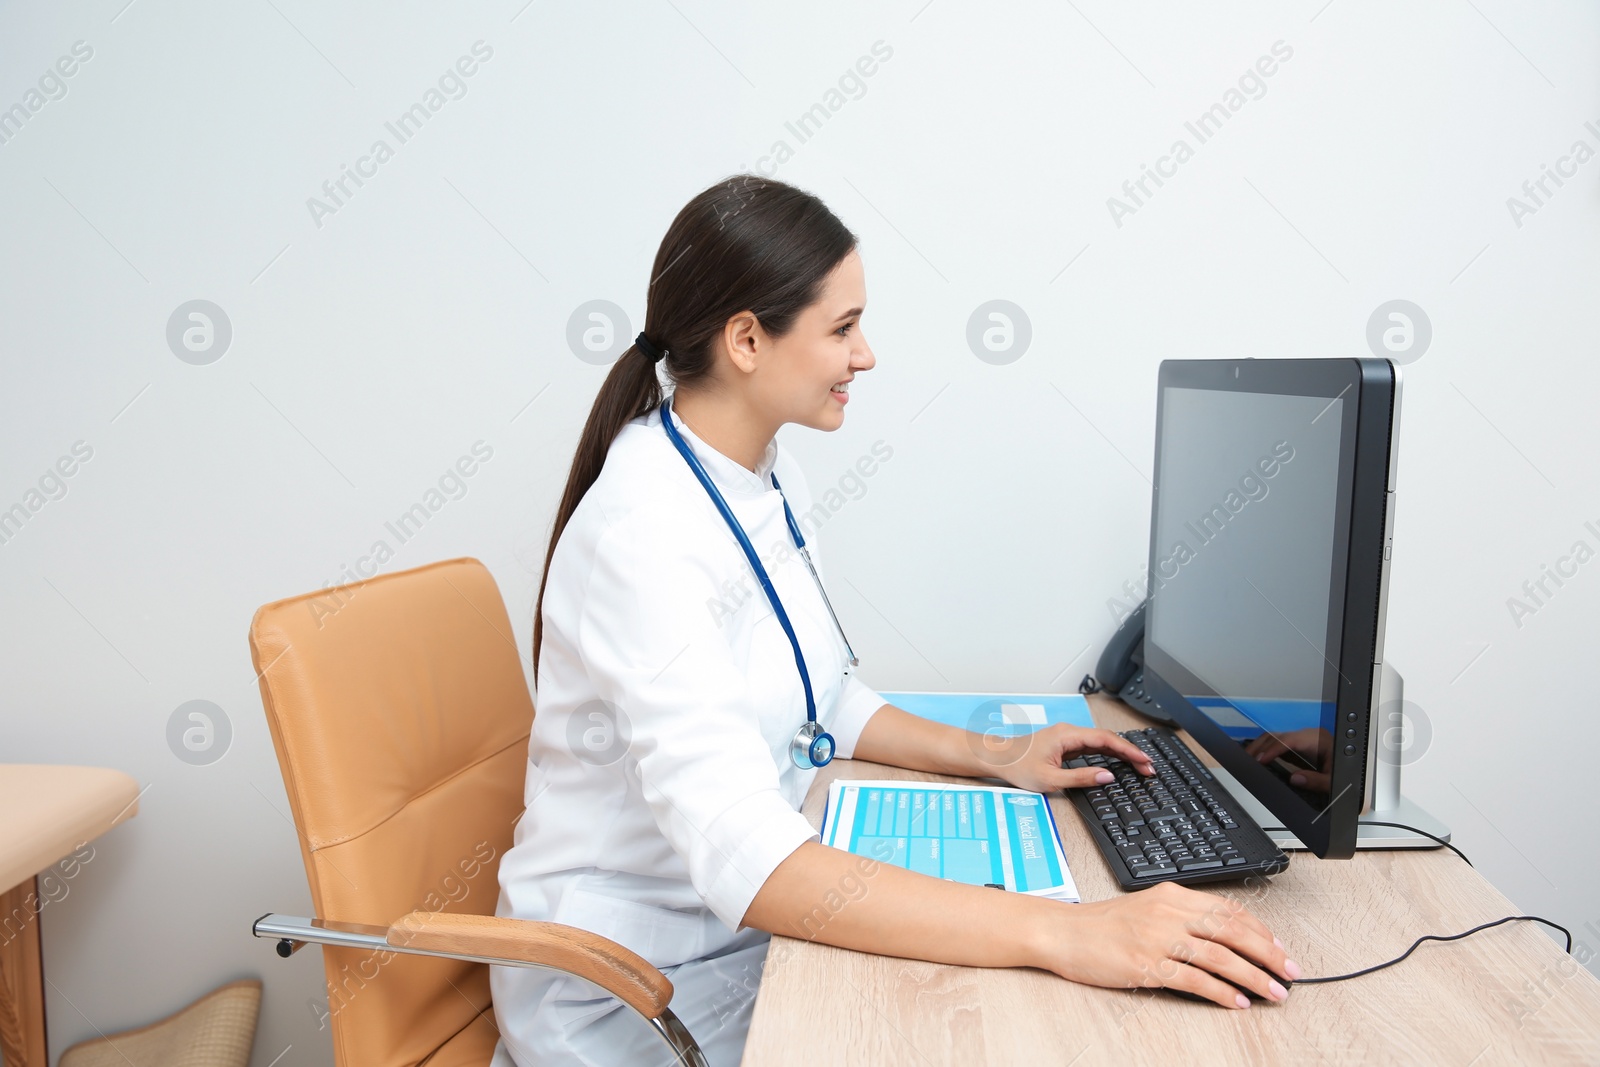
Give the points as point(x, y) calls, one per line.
point(1167, 936)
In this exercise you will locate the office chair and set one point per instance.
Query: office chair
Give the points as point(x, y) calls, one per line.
point(400, 716)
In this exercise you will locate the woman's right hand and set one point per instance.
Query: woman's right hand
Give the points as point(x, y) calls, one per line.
point(1168, 936)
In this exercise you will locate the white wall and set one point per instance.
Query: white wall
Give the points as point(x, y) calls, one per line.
point(369, 352)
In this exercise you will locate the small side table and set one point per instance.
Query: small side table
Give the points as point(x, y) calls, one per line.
point(46, 813)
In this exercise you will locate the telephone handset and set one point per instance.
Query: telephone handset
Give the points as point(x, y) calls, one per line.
point(1121, 667)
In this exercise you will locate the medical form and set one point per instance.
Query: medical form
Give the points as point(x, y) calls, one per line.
point(981, 835)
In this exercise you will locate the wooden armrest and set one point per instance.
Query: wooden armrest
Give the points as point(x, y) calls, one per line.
point(619, 971)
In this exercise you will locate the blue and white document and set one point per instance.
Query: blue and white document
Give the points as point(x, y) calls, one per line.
point(980, 835)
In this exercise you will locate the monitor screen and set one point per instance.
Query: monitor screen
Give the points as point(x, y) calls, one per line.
point(1244, 572)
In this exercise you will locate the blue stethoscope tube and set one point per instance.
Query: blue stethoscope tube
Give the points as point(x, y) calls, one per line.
point(812, 746)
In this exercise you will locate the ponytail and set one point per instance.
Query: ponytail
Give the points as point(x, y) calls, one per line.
point(631, 389)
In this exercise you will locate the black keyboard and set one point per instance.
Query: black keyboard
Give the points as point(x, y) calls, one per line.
point(1181, 825)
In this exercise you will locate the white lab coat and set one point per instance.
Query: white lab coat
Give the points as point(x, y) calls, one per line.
point(660, 790)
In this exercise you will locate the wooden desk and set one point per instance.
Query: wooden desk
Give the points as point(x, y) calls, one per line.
point(48, 813)
point(1503, 995)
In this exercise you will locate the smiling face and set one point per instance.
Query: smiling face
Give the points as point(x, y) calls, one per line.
point(803, 377)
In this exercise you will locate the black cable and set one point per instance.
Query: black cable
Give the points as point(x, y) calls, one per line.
point(1437, 937)
point(1426, 937)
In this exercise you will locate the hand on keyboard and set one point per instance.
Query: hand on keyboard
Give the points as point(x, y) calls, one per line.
point(1034, 761)
point(1169, 936)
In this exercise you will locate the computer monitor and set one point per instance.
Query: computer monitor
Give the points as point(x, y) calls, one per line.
point(1269, 561)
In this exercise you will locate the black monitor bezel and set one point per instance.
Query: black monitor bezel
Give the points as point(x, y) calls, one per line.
point(1356, 583)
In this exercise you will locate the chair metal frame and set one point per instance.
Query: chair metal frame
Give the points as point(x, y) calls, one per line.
point(294, 932)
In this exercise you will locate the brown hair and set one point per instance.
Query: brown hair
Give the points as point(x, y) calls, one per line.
point(745, 244)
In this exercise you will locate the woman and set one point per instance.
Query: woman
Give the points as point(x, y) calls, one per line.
point(674, 739)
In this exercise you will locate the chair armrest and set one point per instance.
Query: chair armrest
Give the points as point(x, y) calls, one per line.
point(504, 942)
point(600, 960)
point(499, 942)
point(618, 970)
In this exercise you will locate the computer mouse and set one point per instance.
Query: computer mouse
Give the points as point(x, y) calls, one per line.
point(1287, 984)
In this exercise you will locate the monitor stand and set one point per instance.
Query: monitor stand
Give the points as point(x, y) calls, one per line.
point(1388, 805)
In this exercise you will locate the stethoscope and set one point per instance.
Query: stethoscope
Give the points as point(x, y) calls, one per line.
point(812, 745)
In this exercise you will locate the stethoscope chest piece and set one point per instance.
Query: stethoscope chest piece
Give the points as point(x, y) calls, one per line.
point(812, 747)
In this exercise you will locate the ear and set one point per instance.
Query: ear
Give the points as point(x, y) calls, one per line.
point(745, 340)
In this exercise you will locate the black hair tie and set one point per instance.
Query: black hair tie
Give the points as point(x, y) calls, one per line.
point(648, 348)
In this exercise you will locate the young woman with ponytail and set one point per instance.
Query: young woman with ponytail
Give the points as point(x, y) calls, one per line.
point(664, 784)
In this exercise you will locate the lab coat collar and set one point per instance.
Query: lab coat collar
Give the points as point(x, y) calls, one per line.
point(729, 474)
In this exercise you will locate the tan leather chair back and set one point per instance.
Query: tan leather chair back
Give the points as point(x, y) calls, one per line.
point(400, 715)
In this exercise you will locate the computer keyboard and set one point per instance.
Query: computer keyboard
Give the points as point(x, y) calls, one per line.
point(1181, 825)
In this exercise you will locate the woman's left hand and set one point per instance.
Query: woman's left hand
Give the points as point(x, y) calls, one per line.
point(1034, 761)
